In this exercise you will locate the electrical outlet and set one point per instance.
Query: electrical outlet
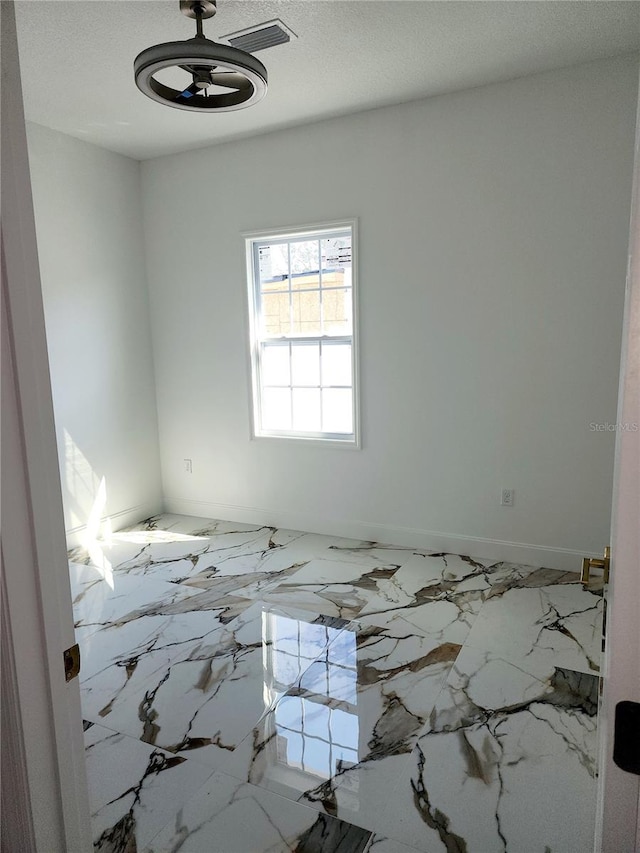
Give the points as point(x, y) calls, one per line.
point(507, 497)
point(188, 466)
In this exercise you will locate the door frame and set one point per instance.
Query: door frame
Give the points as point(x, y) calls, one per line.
point(40, 709)
point(618, 808)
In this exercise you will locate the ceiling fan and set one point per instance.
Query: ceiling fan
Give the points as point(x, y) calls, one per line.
point(199, 74)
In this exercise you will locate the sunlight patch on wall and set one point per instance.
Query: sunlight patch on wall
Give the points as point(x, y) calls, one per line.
point(85, 497)
point(93, 541)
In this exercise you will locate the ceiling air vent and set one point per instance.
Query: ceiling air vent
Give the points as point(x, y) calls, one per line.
point(260, 37)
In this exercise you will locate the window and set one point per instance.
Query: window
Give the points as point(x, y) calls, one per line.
point(302, 326)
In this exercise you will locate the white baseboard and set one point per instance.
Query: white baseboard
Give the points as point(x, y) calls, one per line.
point(493, 550)
point(117, 520)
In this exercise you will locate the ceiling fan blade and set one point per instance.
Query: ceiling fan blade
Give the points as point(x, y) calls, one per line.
point(229, 79)
point(189, 92)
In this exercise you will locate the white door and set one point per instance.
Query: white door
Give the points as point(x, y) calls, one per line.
point(44, 785)
point(619, 814)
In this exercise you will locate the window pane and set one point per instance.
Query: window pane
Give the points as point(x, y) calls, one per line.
point(305, 280)
point(336, 262)
point(273, 262)
point(345, 758)
point(337, 415)
point(306, 313)
point(342, 684)
point(276, 408)
point(335, 252)
point(304, 257)
point(288, 713)
point(275, 285)
point(275, 313)
point(286, 668)
point(316, 719)
point(275, 364)
point(285, 648)
point(314, 639)
point(336, 364)
point(305, 364)
point(335, 278)
point(344, 728)
point(306, 409)
point(283, 632)
point(316, 757)
point(336, 311)
point(342, 651)
point(294, 744)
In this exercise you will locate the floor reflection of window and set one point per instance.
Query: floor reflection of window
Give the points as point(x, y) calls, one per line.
point(316, 724)
point(315, 738)
point(289, 647)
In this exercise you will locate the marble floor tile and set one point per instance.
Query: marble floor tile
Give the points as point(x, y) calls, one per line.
point(224, 534)
point(133, 788)
point(178, 549)
point(334, 588)
point(382, 844)
point(450, 619)
point(460, 587)
point(230, 816)
point(428, 577)
point(223, 606)
point(370, 555)
point(341, 736)
point(102, 554)
point(334, 600)
point(420, 582)
point(167, 522)
point(187, 525)
point(117, 660)
point(505, 576)
point(273, 557)
point(255, 584)
point(267, 550)
point(326, 571)
point(172, 562)
point(428, 569)
point(204, 704)
point(100, 600)
point(561, 622)
point(135, 546)
point(507, 762)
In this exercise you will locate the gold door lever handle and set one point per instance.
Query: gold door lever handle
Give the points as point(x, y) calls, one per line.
point(589, 563)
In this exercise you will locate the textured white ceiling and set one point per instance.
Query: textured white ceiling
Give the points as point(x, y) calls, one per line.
point(350, 55)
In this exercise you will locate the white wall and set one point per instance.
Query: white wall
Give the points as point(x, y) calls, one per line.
point(493, 238)
point(90, 244)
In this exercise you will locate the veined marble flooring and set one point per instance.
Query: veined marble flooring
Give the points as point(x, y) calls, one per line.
point(253, 690)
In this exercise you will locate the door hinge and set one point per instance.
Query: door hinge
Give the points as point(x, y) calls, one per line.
point(71, 662)
point(591, 563)
point(626, 741)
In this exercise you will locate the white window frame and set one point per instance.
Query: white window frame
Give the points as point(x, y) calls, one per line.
point(253, 240)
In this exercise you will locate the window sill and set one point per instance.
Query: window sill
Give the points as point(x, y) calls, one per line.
point(302, 441)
